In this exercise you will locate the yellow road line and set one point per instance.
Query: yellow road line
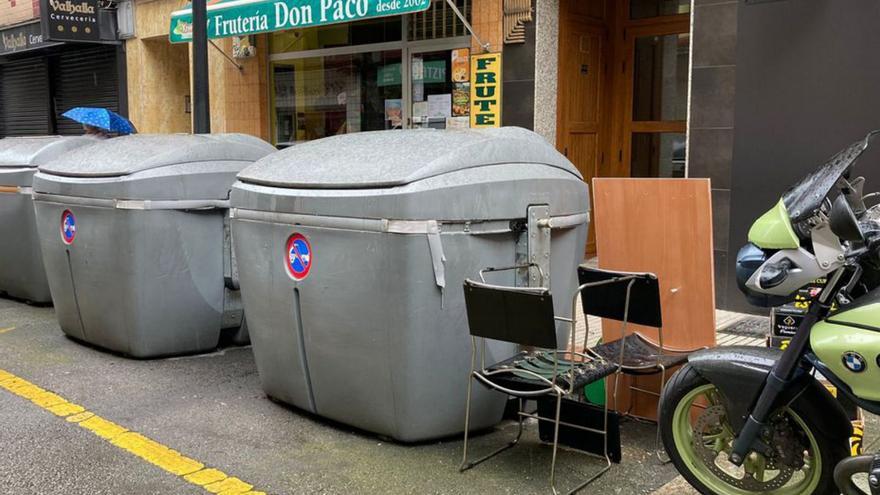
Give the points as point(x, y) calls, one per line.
point(190, 470)
point(7, 329)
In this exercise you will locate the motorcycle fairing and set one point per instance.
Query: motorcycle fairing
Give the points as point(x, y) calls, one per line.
point(851, 352)
point(773, 230)
point(739, 373)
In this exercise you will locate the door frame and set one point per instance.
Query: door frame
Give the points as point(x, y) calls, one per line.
point(667, 25)
point(601, 129)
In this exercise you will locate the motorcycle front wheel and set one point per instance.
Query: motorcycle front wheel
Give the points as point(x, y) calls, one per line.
point(698, 438)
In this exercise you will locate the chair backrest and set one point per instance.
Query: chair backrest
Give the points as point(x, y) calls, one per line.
point(520, 315)
point(608, 300)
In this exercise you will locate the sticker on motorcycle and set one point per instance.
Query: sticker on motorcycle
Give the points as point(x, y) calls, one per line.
point(854, 362)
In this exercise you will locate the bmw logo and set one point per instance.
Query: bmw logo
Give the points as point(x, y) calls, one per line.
point(854, 362)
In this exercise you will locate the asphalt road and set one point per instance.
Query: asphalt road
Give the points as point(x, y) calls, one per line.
point(210, 409)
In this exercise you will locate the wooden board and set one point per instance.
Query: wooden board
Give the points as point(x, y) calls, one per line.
point(663, 226)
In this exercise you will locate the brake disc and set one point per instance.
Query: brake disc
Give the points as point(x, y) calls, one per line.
point(710, 422)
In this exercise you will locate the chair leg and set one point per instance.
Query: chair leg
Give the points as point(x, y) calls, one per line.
point(604, 451)
point(467, 416)
point(660, 450)
point(465, 464)
point(555, 443)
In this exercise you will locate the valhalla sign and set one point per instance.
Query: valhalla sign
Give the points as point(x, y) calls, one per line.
point(22, 38)
point(244, 17)
point(70, 20)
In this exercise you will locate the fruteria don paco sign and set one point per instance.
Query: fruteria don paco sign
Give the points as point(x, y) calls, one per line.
point(486, 90)
point(243, 17)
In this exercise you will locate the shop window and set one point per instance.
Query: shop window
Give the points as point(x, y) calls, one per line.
point(439, 21)
point(380, 30)
point(660, 82)
point(641, 9)
point(440, 89)
point(316, 97)
point(658, 154)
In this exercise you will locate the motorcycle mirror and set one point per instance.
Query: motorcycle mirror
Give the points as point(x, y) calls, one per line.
point(855, 199)
point(843, 221)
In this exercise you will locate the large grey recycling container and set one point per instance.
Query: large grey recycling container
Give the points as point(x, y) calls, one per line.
point(134, 234)
point(353, 250)
point(21, 266)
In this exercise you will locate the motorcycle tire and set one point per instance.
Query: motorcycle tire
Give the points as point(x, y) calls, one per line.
point(687, 380)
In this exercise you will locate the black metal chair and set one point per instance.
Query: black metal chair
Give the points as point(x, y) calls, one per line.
point(525, 316)
point(629, 298)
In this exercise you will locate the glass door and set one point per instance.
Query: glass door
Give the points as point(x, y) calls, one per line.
point(439, 88)
point(655, 121)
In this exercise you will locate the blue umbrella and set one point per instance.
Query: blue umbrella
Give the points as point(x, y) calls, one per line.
point(101, 117)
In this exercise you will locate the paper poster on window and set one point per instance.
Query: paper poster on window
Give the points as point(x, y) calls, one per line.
point(486, 90)
point(440, 105)
point(420, 109)
point(458, 123)
point(394, 111)
point(461, 98)
point(460, 65)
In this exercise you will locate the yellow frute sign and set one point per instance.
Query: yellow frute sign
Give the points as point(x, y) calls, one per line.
point(486, 90)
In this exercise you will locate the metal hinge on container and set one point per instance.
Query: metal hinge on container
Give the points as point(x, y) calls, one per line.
point(538, 246)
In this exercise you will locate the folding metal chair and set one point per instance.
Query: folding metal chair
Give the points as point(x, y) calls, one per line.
point(525, 316)
point(629, 298)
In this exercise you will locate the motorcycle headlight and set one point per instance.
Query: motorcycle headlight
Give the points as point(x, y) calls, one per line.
point(749, 258)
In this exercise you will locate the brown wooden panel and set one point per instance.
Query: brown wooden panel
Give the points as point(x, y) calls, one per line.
point(593, 9)
point(663, 226)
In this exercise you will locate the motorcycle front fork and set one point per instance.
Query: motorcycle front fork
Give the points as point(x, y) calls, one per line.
point(779, 378)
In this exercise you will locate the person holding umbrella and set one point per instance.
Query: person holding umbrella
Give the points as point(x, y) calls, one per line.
point(100, 122)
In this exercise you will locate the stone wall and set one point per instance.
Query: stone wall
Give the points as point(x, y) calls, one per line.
point(710, 119)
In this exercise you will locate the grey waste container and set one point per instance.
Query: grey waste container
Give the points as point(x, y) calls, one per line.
point(353, 250)
point(21, 266)
point(134, 234)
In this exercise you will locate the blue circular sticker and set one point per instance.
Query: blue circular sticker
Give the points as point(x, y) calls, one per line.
point(68, 227)
point(299, 256)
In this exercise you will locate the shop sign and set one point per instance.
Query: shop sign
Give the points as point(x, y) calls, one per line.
point(70, 20)
point(242, 17)
point(486, 90)
point(432, 71)
point(22, 38)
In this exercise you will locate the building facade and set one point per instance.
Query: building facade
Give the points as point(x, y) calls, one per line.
point(41, 79)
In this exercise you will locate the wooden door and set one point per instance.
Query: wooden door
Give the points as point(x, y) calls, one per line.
point(582, 46)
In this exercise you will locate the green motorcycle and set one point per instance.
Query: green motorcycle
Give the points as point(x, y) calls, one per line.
point(745, 420)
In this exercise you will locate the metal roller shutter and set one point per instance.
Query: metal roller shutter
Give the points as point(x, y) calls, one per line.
point(84, 78)
point(24, 98)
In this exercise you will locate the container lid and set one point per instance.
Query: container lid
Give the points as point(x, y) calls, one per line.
point(37, 150)
point(127, 155)
point(395, 158)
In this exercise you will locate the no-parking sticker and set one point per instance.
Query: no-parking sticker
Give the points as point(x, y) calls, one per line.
point(299, 256)
point(68, 227)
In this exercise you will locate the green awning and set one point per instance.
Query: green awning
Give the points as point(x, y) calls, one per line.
point(243, 17)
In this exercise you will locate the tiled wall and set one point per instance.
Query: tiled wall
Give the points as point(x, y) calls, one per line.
point(486, 19)
point(242, 103)
point(157, 71)
point(710, 124)
point(18, 11)
point(519, 81)
point(159, 76)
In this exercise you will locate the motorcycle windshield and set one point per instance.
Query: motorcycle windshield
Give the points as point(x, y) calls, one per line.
point(804, 198)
